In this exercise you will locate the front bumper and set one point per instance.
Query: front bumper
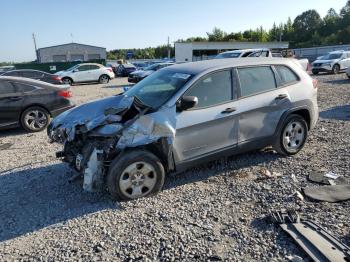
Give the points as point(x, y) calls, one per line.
point(322, 68)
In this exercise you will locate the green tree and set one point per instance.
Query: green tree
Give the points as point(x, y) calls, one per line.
point(305, 25)
point(216, 35)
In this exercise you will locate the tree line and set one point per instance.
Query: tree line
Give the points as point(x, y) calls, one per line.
point(307, 30)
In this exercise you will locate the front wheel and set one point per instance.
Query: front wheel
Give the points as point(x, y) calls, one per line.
point(67, 81)
point(336, 69)
point(104, 79)
point(135, 174)
point(35, 119)
point(292, 136)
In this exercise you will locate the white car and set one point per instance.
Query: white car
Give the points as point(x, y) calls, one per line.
point(333, 62)
point(87, 72)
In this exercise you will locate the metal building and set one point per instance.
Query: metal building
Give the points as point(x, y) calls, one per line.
point(194, 51)
point(70, 52)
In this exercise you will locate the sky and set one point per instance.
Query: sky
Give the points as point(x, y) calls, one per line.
point(134, 23)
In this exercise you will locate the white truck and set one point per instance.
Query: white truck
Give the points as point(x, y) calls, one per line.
point(264, 52)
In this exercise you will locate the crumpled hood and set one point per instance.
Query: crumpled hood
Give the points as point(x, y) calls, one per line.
point(103, 118)
point(90, 115)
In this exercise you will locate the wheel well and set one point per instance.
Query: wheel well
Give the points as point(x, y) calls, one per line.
point(67, 77)
point(105, 75)
point(35, 105)
point(304, 113)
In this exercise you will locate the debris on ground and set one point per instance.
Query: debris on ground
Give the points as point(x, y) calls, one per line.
point(319, 244)
point(334, 193)
point(327, 178)
point(298, 195)
point(5, 146)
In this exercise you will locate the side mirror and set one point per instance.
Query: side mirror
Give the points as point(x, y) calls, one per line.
point(186, 102)
point(75, 70)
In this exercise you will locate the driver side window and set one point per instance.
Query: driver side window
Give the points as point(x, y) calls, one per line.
point(213, 89)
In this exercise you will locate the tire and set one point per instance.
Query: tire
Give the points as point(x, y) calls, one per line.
point(336, 69)
point(315, 72)
point(35, 119)
point(104, 79)
point(130, 173)
point(292, 136)
point(67, 81)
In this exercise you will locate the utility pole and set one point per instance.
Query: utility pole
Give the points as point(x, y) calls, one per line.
point(168, 47)
point(36, 49)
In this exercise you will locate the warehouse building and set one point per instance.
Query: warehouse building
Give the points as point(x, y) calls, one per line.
point(70, 52)
point(195, 51)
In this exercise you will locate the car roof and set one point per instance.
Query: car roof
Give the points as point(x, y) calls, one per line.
point(202, 66)
point(23, 70)
point(33, 82)
point(244, 50)
point(90, 64)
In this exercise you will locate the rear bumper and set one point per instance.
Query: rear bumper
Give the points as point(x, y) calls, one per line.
point(58, 111)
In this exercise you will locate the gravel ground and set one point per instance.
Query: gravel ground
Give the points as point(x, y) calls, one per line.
point(213, 212)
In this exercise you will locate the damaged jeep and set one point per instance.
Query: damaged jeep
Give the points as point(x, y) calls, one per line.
point(184, 115)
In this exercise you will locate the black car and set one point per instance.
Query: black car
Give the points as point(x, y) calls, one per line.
point(30, 103)
point(35, 74)
point(125, 69)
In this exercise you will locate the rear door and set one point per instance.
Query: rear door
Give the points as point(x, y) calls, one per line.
point(10, 104)
point(262, 102)
point(95, 72)
point(212, 125)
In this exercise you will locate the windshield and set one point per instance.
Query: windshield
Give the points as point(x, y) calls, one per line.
point(157, 88)
point(229, 55)
point(331, 56)
point(72, 68)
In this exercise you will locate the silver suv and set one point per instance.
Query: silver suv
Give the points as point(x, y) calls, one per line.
point(184, 115)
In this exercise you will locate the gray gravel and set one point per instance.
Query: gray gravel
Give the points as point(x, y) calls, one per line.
point(211, 212)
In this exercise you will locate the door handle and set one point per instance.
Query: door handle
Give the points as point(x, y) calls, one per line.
point(281, 96)
point(229, 110)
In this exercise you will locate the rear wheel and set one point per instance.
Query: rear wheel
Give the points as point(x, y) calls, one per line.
point(336, 69)
point(35, 119)
point(293, 136)
point(67, 81)
point(135, 174)
point(104, 79)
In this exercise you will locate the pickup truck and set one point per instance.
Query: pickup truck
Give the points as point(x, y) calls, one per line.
point(303, 63)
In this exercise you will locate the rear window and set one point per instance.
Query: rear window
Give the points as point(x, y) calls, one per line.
point(255, 80)
point(286, 75)
point(24, 88)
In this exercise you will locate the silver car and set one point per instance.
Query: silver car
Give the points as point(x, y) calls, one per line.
point(184, 115)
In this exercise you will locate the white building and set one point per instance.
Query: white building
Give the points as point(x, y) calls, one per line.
point(194, 51)
point(71, 52)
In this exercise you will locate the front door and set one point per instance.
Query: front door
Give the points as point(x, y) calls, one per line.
point(10, 104)
point(82, 74)
point(210, 126)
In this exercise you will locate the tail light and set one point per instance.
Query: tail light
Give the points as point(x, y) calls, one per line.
point(56, 78)
point(314, 83)
point(308, 67)
point(110, 69)
point(65, 93)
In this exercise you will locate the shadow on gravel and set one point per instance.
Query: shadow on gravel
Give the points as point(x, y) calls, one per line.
point(338, 81)
point(337, 113)
point(218, 167)
point(13, 132)
point(36, 198)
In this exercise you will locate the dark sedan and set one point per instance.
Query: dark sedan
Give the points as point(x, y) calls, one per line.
point(31, 103)
point(138, 75)
point(125, 69)
point(35, 74)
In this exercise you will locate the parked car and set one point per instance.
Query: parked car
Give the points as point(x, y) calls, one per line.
point(140, 65)
point(4, 69)
point(86, 72)
point(245, 53)
point(35, 74)
point(334, 62)
point(184, 115)
point(113, 66)
point(303, 62)
point(125, 69)
point(31, 103)
point(137, 76)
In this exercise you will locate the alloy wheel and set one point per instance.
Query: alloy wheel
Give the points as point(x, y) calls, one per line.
point(293, 136)
point(35, 120)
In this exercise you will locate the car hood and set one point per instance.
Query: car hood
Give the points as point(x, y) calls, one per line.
point(324, 61)
point(142, 73)
point(122, 117)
